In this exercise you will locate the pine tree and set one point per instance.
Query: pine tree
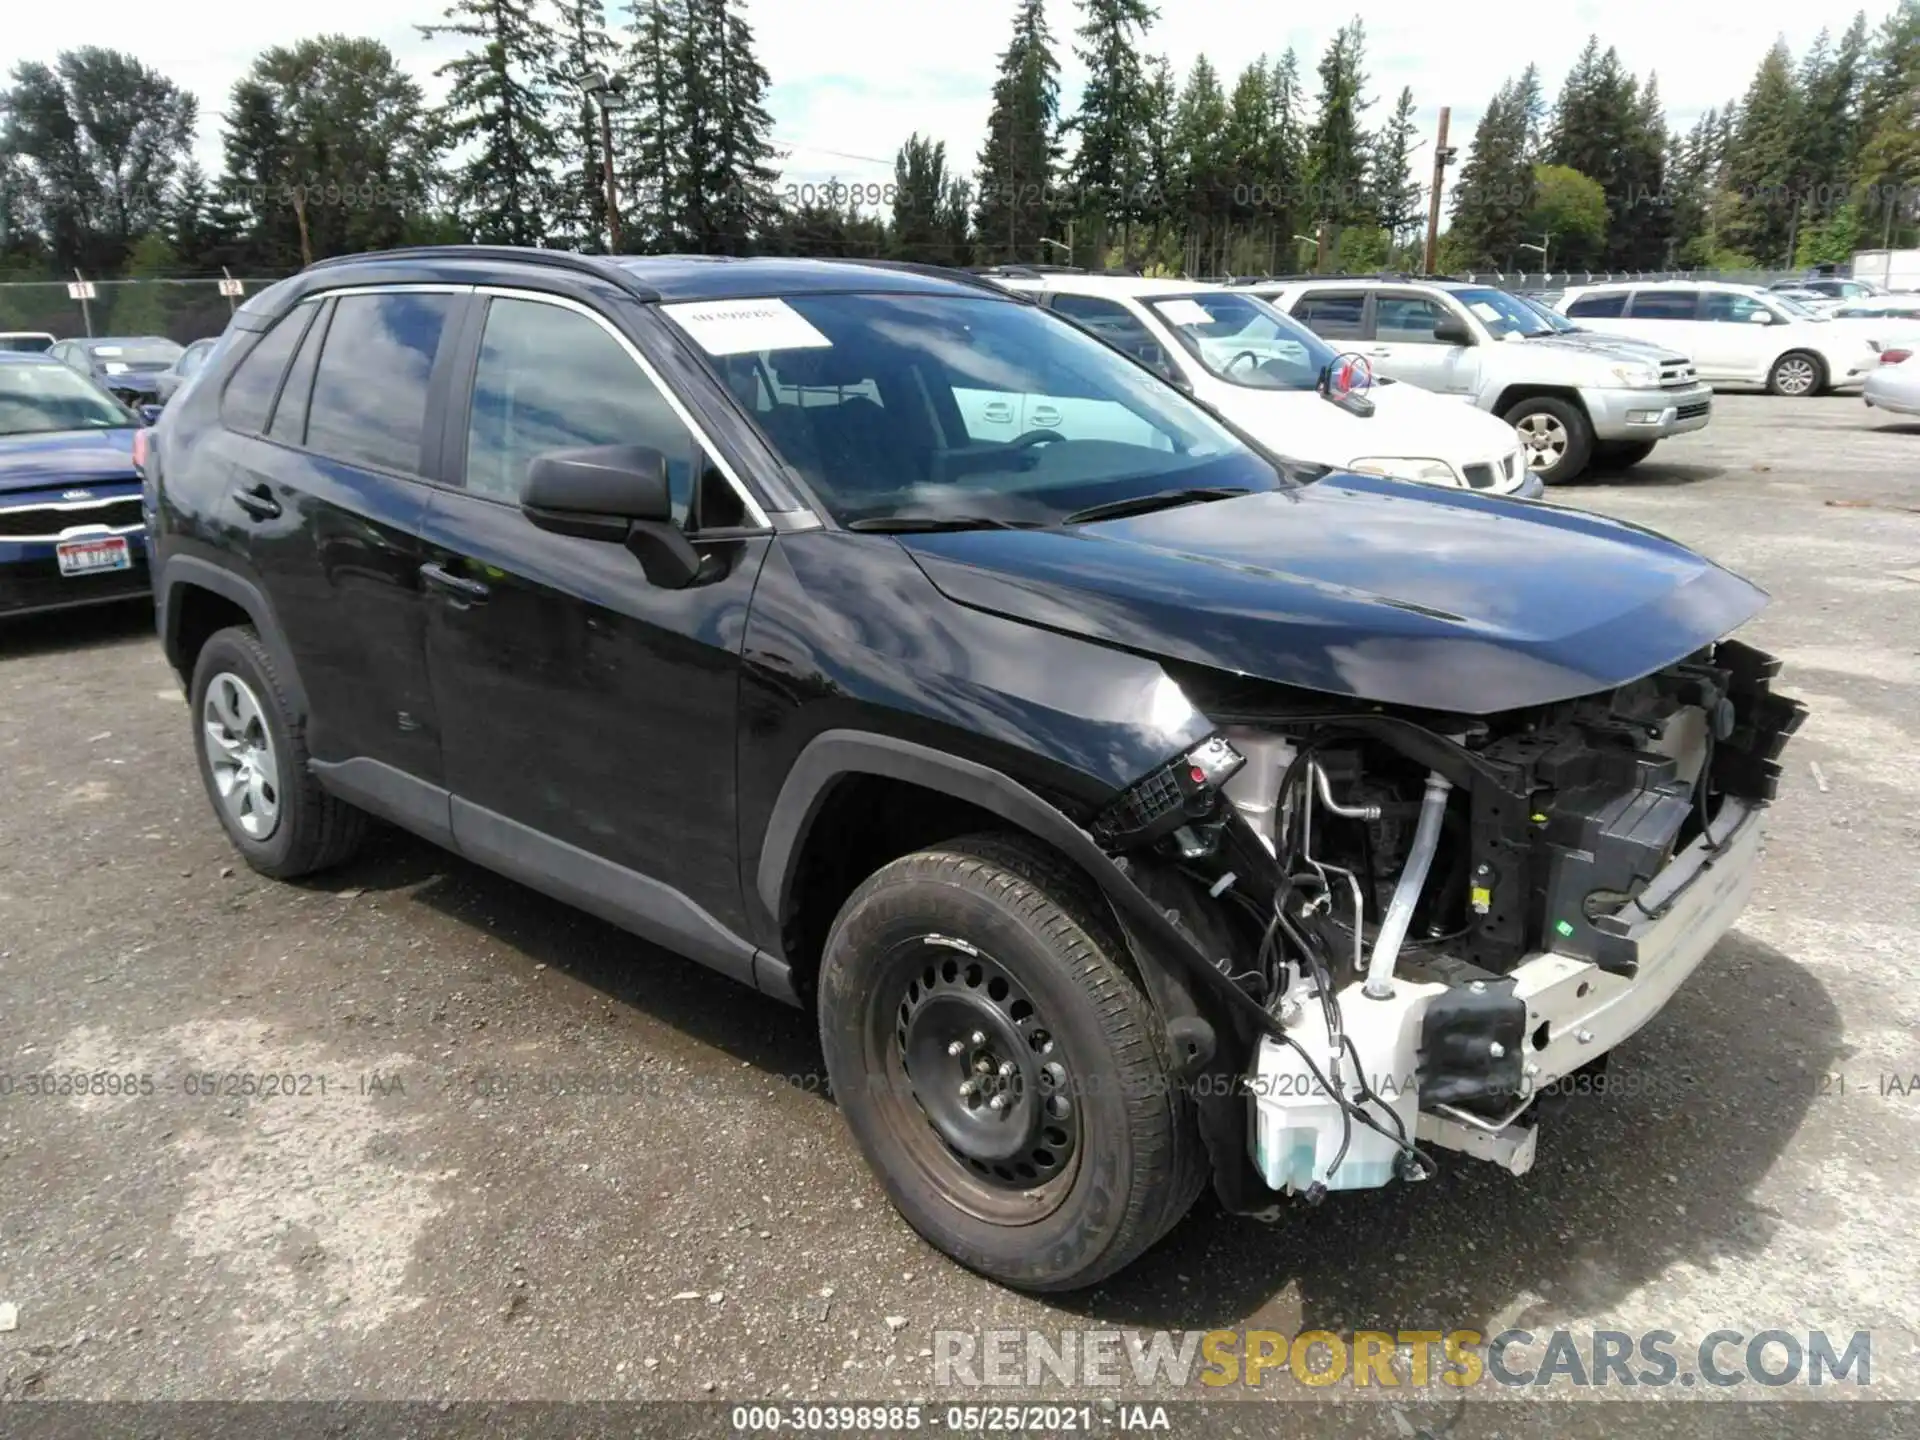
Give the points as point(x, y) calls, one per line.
point(1014, 210)
point(1286, 165)
point(1203, 188)
point(648, 147)
point(1760, 168)
point(499, 102)
point(1336, 145)
point(1889, 163)
point(1640, 209)
point(580, 186)
point(1160, 158)
point(1396, 194)
point(729, 195)
point(929, 205)
point(1531, 97)
point(1109, 163)
point(200, 242)
point(1494, 193)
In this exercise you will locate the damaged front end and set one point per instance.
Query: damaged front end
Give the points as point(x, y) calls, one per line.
point(1418, 922)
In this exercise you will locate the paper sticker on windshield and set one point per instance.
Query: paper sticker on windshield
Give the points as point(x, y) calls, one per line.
point(1184, 312)
point(108, 350)
point(735, 327)
point(115, 367)
point(1486, 311)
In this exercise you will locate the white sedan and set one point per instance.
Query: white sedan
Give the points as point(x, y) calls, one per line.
point(1894, 384)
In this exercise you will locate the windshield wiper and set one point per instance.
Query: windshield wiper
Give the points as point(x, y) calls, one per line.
point(1159, 500)
point(932, 524)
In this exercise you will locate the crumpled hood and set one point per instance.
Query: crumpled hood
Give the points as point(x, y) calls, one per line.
point(65, 457)
point(1378, 589)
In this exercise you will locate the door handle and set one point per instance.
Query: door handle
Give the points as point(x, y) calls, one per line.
point(257, 500)
point(1381, 351)
point(458, 586)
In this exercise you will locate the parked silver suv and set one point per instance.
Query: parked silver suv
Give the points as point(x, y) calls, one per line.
point(1575, 400)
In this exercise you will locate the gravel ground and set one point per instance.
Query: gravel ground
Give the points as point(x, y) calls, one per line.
point(414, 1230)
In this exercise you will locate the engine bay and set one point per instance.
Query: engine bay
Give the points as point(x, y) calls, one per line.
point(1438, 915)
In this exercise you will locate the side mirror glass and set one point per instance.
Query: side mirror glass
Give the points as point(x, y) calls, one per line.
point(149, 414)
point(1760, 317)
point(618, 493)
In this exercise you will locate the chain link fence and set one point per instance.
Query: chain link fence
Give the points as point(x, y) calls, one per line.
point(181, 310)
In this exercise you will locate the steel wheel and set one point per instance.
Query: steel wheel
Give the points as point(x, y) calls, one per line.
point(239, 746)
point(1544, 438)
point(986, 1087)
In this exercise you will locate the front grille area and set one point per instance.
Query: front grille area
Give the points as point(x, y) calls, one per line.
point(45, 522)
point(1676, 374)
point(1481, 477)
point(1693, 411)
point(39, 585)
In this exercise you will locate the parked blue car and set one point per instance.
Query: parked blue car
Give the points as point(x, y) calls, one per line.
point(71, 525)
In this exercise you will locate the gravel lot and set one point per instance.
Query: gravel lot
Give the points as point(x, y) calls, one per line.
point(414, 1232)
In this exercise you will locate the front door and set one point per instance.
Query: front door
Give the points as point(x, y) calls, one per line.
point(1404, 348)
point(589, 715)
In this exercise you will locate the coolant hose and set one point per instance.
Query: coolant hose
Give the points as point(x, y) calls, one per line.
point(1413, 879)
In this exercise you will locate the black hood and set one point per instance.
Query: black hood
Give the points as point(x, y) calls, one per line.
point(1376, 589)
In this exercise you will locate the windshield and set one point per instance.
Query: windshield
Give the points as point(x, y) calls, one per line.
point(26, 344)
point(134, 354)
point(1245, 341)
point(1503, 314)
point(954, 408)
point(1792, 307)
point(40, 397)
point(1553, 319)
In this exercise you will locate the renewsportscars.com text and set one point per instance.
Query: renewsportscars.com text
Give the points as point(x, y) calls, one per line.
point(1415, 1359)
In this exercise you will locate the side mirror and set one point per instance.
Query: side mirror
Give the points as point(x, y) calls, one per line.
point(1452, 330)
point(619, 493)
point(1760, 317)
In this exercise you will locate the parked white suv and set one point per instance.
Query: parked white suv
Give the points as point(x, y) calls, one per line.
point(1574, 400)
point(1262, 372)
point(1736, 334)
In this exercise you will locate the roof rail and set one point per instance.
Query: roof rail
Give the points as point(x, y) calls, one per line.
point(975, 276)
point(1025, 272)
point(601, 267)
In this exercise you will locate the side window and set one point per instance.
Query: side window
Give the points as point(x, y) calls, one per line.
point(552, 379)
point(1333, 314)
point(256, 379)
point(290, 414)
point(1606, 306)
point(370, 390)
point(1406, 319)
point(1663, 304)
point(1726, 305)
point(1116, 325)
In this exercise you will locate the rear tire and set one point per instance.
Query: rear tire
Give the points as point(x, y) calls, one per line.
point(1555, 434)
point(1798, 373)
point(987, 962)
point(1620, 454)
point(253, 761)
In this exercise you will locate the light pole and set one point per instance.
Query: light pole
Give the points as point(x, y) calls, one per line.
point(1059, 245)
point(1442, 157)
point(1303, 240)
point(1540, 249)
point(603, 90)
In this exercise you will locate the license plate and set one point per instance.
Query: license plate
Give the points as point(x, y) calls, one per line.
point(90, 557)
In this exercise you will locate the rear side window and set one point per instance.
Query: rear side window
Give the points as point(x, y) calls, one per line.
point(256, 379)
point(1664, 304)
point(290, 414)
point(370, 391)
point(1336, 314)
point(1599, 307)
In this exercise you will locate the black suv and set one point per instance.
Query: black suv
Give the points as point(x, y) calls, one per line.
point(1125, 800)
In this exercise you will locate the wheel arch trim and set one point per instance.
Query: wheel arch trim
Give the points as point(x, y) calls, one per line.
point(179, 572)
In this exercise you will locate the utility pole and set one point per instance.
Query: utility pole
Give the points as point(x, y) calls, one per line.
point(603, 89)
point(1442, 155)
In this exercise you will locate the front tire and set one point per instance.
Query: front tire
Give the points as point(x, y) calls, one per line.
point(253, 762)
point(1622, 454)
point(1555, 434)
point(1797, 373)
point(1002, 1070)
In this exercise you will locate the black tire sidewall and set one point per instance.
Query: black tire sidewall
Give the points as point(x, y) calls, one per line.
point(1622, 453)
point(1579, 435)
point(230, 651)
point(1066, 1248)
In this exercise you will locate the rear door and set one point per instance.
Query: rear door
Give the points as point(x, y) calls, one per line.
point(330, 493)
point(590, 716)
point(1403, 345)
point(1337, 316)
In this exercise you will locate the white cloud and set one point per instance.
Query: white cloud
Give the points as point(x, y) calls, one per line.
point(852, 78)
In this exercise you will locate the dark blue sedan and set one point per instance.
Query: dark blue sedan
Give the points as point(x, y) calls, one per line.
point(127, 366)
point(71, 529)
